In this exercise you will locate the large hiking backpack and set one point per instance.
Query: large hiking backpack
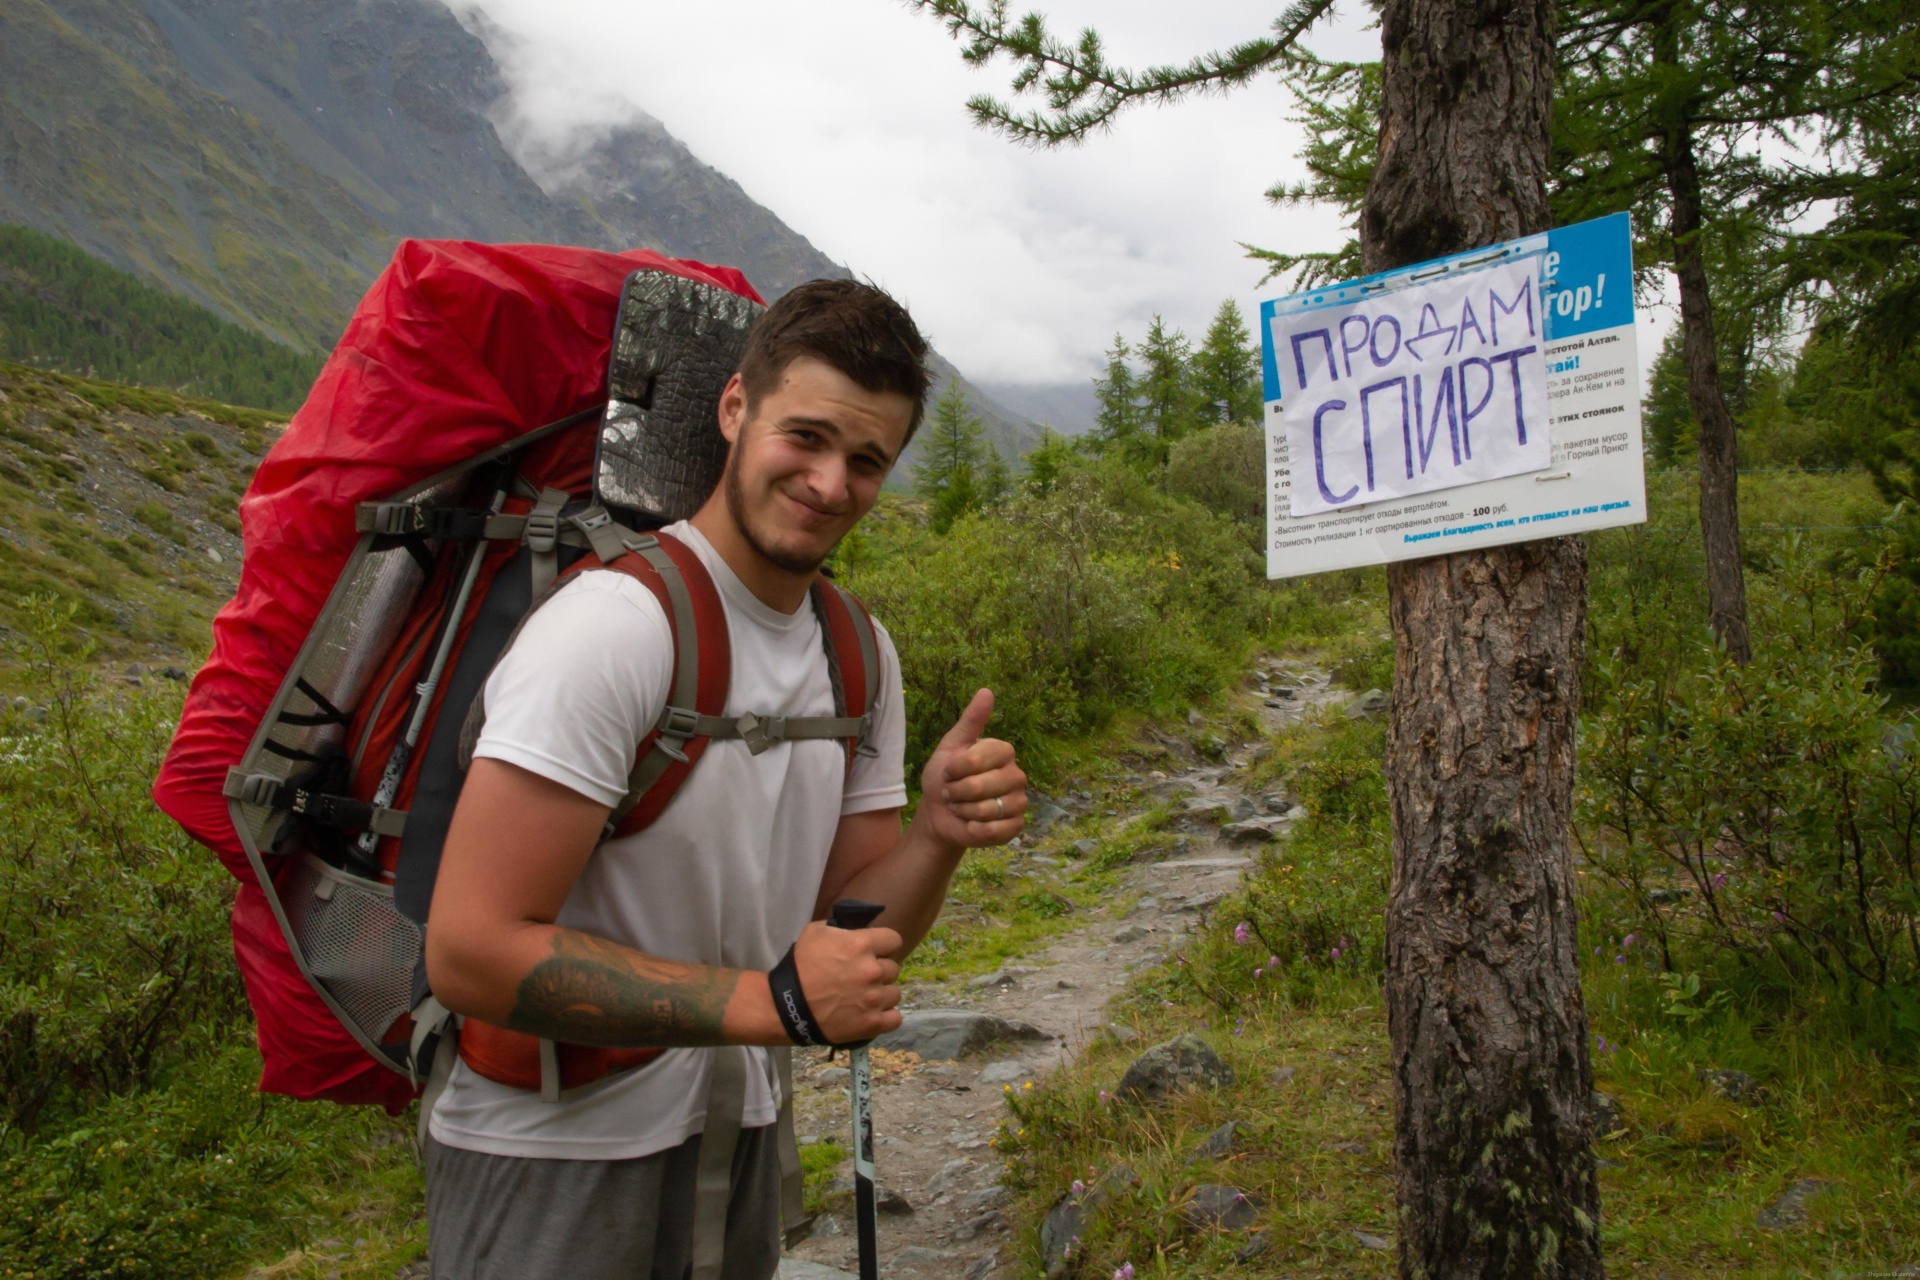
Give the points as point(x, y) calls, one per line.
point(493, 418)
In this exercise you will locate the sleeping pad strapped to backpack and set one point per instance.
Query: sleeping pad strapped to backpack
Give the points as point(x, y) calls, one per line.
point(494, 418)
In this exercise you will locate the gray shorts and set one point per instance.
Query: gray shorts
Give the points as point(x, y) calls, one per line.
point(509, 1218)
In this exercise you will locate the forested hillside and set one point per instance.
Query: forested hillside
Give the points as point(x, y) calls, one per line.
point(61, 309)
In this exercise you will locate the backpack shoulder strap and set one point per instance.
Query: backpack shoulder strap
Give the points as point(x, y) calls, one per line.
point(853, 659)
point(702, 675)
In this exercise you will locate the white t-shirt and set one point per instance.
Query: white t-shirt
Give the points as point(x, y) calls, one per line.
point(729, 872)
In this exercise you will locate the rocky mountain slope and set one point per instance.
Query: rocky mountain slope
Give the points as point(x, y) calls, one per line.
point(263, 158)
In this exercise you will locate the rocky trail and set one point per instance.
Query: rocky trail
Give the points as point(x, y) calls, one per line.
point(941, 1080)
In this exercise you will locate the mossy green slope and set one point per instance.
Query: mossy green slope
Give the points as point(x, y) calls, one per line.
point(122, 501)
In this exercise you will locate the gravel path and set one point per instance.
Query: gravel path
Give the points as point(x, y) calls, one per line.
point(933, 1119)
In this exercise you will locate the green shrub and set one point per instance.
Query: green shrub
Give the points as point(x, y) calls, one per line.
point(1765, 820)
point(114, 954)
point(1100, 596)
point(1224, 469)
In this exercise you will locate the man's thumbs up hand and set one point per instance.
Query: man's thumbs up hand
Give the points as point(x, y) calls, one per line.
point(972, 790)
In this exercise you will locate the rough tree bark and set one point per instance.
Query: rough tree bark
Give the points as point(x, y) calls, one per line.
point(1496, 1175)
point(1719, 449)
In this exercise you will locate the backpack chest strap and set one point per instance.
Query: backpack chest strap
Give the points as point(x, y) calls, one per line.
point(760, 732)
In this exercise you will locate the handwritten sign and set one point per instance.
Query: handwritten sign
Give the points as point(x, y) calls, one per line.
point(1417, 389)
point(1581, 466)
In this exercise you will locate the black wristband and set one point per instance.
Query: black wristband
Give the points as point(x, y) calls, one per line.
point(790, 1002)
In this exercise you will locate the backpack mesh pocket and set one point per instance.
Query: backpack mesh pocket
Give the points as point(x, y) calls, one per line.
point(355, 943)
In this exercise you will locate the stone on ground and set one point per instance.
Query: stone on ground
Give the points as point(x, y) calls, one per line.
point(1185, 1062)
point(1734, 1086)
point(796, 1269)
point(1213, 1206)
point(1061, 1226)
point(1379, 1244)
point(1790, 1210)
point(950, 1175)
point(1368, 705)
point(1219, 1144)
point(1605, 1110)
point(944, 1034)
point(1006, 1073)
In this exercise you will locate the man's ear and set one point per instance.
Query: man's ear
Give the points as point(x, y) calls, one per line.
point(733, 408)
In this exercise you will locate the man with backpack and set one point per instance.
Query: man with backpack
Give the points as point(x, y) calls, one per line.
point(655, 968)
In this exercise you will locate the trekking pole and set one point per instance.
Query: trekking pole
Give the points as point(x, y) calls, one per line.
point(423, 692)
point(851, 913)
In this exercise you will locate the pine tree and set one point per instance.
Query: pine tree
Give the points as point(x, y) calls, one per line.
point(1169, 406)
point(958, 470)
point(1121, 418)
point(1226, 370)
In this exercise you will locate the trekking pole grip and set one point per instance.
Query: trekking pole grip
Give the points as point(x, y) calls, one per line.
point(852, 913)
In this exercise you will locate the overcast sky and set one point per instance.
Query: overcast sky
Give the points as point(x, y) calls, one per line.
point(847, 119)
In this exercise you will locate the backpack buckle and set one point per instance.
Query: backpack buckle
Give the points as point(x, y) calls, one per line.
point(862, 738)
point(760, 733)
point(390, 519)
point(543, 532)
point(679, 722)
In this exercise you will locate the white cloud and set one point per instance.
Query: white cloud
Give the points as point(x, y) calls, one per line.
point(846, 118)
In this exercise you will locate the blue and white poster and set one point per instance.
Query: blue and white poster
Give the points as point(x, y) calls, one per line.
point(1485, 398)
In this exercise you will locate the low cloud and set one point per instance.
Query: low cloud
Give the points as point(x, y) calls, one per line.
point(846, 118)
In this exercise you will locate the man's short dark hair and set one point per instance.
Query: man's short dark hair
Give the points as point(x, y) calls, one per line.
point(857, 328)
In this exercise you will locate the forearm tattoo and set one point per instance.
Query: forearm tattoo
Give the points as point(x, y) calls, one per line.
point(591, 991)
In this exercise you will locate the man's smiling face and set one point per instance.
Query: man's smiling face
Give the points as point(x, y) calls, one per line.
point(807, 461)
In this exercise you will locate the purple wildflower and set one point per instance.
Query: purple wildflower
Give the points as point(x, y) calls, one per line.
point(1273, 962)
point(1242, 933)
point(1779, 917)
point(1078, 1189)
point(1124, 1272)
point(1335, 953)
point(1720, 880)
point(1626, 943)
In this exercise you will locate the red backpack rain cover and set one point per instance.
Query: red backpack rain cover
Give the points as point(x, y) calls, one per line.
point(457, 348)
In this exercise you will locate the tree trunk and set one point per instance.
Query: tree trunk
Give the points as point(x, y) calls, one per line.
point(1496, 1175)
point(1719, 447)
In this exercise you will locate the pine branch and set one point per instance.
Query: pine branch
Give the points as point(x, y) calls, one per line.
point(1083, 91)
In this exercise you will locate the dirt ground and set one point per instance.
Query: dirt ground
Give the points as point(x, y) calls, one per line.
point(933, 1120)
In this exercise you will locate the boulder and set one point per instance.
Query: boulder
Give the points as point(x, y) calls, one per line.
point(944, 1034)
point(1086, 848)
point(1378, 1244)
point(1185, 1062)
point(1250, 832)
point(1214, 1207)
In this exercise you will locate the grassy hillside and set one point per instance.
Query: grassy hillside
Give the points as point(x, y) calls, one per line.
point(63, 309)
point(121, 502)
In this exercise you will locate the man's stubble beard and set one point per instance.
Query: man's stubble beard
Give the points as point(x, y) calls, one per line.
point(737, 509)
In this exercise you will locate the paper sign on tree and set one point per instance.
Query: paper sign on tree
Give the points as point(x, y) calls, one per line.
point(1418, 389)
